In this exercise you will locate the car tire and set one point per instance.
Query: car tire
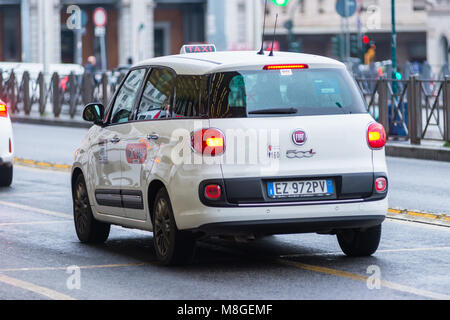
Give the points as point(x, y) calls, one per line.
point(6, 176)
point(359, 243)
point(172, 247)
point(87, 228)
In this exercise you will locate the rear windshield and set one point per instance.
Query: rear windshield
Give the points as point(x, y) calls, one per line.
point(264, 93)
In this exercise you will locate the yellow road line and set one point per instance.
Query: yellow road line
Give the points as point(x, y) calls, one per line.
point(34, 288)
point(359, 277)
point(42, 164)
point(31, 223)
point(36, 210)
point(427, 215)
point(105, 266)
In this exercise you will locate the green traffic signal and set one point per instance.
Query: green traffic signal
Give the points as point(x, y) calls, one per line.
point(398, 76)
point(280, 3)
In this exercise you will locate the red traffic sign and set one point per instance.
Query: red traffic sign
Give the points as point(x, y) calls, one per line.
point(100, 17)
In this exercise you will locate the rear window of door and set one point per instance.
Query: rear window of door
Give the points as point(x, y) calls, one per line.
point(157, 97)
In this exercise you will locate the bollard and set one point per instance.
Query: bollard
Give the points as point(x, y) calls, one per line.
point(42, 94)
point(383, 104)
point(105, 89)
point(414, 110)
point(11, 96)
point(446, 106)
point(56, 95)
point(72, 95)
point(26, 92)
point(87, 88)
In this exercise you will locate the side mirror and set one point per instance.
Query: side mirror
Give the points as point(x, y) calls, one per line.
point(94, 112)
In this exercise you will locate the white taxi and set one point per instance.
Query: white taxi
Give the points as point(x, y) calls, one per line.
point(236, 144)
point(6, 147)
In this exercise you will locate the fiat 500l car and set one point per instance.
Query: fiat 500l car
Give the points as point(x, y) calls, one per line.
point(6, 147)
point(234, 144)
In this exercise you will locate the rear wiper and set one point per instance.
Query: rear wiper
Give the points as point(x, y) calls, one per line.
point(275, 111)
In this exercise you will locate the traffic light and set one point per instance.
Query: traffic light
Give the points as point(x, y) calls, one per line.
point(336, 46)
point(280, 3)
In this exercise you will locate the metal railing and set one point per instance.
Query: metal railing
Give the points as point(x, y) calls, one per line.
point(412, 109)
point(61, 94)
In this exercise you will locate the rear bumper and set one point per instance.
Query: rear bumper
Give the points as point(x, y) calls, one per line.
point(283, 218)
point(286, 226)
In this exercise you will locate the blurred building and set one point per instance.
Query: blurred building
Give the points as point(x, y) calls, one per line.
point(423, 27)
point(42, 30)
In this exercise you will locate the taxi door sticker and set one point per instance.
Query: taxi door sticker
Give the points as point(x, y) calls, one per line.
point(136, 153)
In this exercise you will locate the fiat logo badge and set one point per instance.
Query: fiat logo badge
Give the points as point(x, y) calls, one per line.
point(299, 137)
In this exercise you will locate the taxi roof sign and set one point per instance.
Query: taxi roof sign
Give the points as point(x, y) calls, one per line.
point(198, 48)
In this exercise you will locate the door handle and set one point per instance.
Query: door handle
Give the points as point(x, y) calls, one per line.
point(115, 140)
point(153, 136)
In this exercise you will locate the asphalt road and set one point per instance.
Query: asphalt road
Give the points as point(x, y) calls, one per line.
point(38, 244)
point(47, 143)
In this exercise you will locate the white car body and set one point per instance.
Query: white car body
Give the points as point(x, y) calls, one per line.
point(6, 144)
point(338, 143)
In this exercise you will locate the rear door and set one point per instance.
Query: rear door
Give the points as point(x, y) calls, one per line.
point(149, 133)
point(109, 148)
point(289, 124)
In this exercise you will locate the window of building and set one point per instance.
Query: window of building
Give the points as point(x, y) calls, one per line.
point(10, 33)
point(419, 5)
point(242, 22)
point(320, 7)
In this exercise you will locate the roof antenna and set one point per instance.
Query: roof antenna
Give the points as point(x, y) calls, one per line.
point(274, 33)
point(261, 52)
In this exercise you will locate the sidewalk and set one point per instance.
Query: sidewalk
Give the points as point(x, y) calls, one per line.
point(50, 120)
point(427, 150)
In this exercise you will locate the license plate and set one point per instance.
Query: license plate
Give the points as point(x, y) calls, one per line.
point(301, 189)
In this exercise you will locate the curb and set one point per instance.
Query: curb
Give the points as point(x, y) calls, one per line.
point(419, 216)
point(42, 165)
point(51, 122)
point(435, 153)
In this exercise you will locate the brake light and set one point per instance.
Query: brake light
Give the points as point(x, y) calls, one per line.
point(3, 110)
point(10, 146)
point(209, 142)
point(376, 136)
point(285, 66)
point(213, 192)
point(380, 185)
